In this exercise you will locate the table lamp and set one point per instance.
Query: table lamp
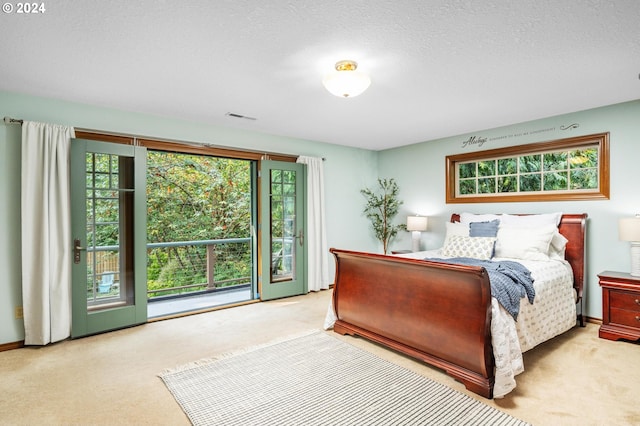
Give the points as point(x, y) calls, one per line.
point(416, 224)
point(629, 230)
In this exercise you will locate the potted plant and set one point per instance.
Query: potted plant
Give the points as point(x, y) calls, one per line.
point(381, 208)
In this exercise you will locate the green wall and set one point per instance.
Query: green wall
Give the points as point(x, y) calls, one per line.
point(347, 170)
point(420, 172)
point(418, 169)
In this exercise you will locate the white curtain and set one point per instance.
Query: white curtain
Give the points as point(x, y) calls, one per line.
point(46, 232)
point(318, 252)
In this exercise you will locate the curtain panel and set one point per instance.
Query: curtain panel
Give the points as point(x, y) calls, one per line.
point(46, 232)
point(318, 252)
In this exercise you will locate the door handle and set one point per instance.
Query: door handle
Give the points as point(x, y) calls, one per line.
point(77, 248)
point(301, 237)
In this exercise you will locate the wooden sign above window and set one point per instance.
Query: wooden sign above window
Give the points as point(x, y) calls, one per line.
point(575, 168)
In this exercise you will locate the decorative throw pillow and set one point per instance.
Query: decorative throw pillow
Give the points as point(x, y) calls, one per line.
point(484, 229)
point(524, 243)
point(455, 228)
point(465, 246)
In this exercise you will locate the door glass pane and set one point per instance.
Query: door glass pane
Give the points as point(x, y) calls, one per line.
point(200, 215)
point(107, 218)
point(283, 224)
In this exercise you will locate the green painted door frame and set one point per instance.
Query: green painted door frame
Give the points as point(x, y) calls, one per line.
point(283, 228)
point(108, 192)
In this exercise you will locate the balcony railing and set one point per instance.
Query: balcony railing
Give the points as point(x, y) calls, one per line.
point(181, 267)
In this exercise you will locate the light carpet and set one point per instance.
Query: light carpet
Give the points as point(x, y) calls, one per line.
point(317, 379)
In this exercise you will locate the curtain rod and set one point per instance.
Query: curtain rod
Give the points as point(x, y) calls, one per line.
point(9, 120)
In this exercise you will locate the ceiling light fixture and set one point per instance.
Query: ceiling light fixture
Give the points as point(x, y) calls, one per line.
point(346, 82)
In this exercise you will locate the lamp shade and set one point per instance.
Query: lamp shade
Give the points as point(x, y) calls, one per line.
point(417, 223)
point(629, 228)
point(346, 82)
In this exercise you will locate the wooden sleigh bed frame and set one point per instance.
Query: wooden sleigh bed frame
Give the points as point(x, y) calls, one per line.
point(438, 313)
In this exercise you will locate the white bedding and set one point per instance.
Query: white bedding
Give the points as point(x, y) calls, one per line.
point(552, 313)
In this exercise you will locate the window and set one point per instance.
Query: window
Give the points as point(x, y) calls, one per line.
point(567, 169)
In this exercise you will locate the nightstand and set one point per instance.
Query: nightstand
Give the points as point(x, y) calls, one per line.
point(620, 306)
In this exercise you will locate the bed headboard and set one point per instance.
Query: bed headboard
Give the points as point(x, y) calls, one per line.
point(574, 229)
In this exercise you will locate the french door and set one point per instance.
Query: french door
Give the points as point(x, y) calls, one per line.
point(108, 214)
point(282, 224)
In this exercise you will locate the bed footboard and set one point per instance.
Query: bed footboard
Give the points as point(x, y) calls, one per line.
point(438, 313)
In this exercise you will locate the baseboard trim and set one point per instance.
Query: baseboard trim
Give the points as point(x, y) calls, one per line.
point(11, 346)
point(20, 344)
point(594, 320)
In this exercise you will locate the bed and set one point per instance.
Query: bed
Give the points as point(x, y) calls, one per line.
point(444, 314)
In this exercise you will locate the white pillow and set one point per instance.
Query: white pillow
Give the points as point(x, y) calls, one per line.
point(455, 228)
point(557, 246)
point(465, 246)
point(524, 243)
point(471, 217)
point(532, 220)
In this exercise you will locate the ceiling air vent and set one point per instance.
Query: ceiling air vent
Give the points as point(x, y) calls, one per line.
point(234, 115)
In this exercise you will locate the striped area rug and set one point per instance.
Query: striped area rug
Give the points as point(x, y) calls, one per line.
point(317, 379)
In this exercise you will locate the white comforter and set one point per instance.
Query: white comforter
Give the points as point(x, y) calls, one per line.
point(552, 313)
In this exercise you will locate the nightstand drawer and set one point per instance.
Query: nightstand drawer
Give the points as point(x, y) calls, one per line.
point(620, 306)
point(624, 300)
point(624, 317)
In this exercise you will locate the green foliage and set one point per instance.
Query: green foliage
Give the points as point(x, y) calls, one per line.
point(507, 166)
point(381, 208)
point(487, 185)
point(555, 161)
point(487, 168)
point(571, 169)
point(530, 182)
point(507, 184)
point(467, 186)
point(189, 198)
point(584, 179)
point(582, 158)
point(467, 170)
point(530, 163)
point(194, 198)
point(556, 181)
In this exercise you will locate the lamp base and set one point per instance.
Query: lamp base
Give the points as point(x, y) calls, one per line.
point(415, 241)
point(635, 259)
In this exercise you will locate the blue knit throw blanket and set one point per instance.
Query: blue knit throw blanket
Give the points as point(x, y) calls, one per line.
point(510, 281)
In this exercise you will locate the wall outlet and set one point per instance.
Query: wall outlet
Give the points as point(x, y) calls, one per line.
point(19, 312)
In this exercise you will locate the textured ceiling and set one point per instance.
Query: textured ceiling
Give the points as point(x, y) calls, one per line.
point(438, 68)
